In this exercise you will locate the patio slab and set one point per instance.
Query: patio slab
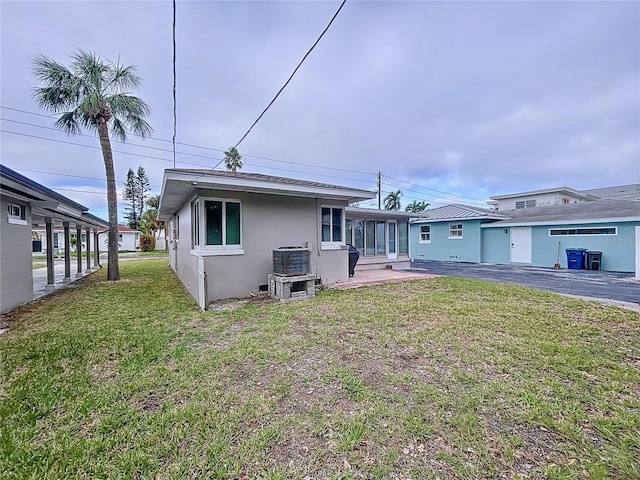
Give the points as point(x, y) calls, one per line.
point(363, 278)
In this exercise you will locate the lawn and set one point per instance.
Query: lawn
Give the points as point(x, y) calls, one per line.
point(442, 378)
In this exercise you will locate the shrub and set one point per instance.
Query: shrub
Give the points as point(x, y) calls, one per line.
point(147, 243)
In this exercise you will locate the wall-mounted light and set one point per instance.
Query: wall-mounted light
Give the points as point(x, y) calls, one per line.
point(506, 230)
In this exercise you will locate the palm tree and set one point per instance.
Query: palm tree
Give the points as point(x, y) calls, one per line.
point(93, 93)
point(392, 201)
point(233, 159)
point(416, 206)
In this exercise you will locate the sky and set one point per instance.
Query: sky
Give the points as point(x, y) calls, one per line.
point(452, 102)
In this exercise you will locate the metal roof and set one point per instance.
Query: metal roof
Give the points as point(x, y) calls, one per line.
point(569, 190)
point(460, 212)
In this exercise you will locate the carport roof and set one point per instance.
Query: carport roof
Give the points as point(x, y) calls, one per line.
point(600, 211)
point(43, 201)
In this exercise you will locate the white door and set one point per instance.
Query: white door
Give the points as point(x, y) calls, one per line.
point(393, 240)
point(521, 244)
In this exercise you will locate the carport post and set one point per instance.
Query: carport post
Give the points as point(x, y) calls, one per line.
point(88, 235)
point(96, 250)
point(50, 273)
point(79, 249)
point(67, 253)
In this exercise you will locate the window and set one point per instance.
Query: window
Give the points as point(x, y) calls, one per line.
point(455, 230)
point(358, 235)
point(332, 225)
point(583, 231)
point(195, 224)
point(16, 214)
point(425, 233)
point(381, 248)
point(370, 238)
point(403, 238)
point(221, 223)
point(526, 204)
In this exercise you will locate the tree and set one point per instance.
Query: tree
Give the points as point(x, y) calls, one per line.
point(149, 222)
point(233, 159)
point(136, 190)
point(392, 201)
point(416, 206)
point(92, 93)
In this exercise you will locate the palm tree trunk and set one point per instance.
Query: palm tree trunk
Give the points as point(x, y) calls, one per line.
point(113, 271)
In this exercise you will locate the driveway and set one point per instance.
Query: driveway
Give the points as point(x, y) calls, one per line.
point(609, 287)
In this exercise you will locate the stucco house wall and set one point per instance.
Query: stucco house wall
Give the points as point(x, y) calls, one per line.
point(618, 251)
point(16, 277)
point(268, 222)
point(442, 247)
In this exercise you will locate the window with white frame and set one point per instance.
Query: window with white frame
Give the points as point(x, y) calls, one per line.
point(526, 204)
point(216, 224)
point(332, 229)
point(16, 214)
point(195, 224)
point(425, 233)
point(455, 230)
point(583, 231)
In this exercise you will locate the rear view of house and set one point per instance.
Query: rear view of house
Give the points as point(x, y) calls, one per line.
point(225, 226)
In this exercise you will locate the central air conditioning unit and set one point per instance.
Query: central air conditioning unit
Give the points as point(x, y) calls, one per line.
point(290, 261)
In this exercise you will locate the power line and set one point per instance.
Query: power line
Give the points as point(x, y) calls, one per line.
point(434, 190)
point(294, 72)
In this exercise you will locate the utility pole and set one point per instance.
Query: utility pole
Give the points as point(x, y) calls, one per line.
point(379, 191)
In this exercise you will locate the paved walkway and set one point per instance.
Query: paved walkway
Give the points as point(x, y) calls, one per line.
point(613, 288)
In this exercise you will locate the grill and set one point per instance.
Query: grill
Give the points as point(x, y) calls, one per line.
point(291, 261)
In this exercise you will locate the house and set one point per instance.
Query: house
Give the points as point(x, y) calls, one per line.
point(224, 227)
point(380, 236)
point(563, 196)
point(451, 233)
point(128, 239)
point(531, 236)
point(27, 205)
point(540, 198)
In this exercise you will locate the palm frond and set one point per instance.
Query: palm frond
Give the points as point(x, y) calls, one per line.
point(118, 129)
point(68, 123)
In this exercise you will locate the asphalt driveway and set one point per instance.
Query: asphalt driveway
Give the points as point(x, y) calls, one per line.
point(610, 287)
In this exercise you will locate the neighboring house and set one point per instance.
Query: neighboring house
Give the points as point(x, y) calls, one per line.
point(531, 236)
point(25, 205)
point(451, 233)
point(128, 239)
point(39, 241)
point(540, 198)
point(224, 227)
point(380, 236)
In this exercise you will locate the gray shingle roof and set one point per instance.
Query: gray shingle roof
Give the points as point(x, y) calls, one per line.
point(621, 192)
point(585, 211)
point(255, 176)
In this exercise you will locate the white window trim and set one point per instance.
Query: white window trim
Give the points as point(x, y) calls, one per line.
point(209, 250)
point(588, 234)
point(420, 234)
point(334, 245)
point(16, 221)
point(215, 253)
point(456, 237)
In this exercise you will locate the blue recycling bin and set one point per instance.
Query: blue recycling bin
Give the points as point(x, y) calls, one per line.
point(575, 258)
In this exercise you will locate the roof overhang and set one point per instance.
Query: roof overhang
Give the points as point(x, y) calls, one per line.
point(373, 213)
point(178, 186)
point(584, 221)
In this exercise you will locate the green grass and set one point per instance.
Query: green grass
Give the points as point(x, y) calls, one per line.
point(442, 378)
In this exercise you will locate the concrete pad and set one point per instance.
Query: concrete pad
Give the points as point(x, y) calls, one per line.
point(363, 278)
